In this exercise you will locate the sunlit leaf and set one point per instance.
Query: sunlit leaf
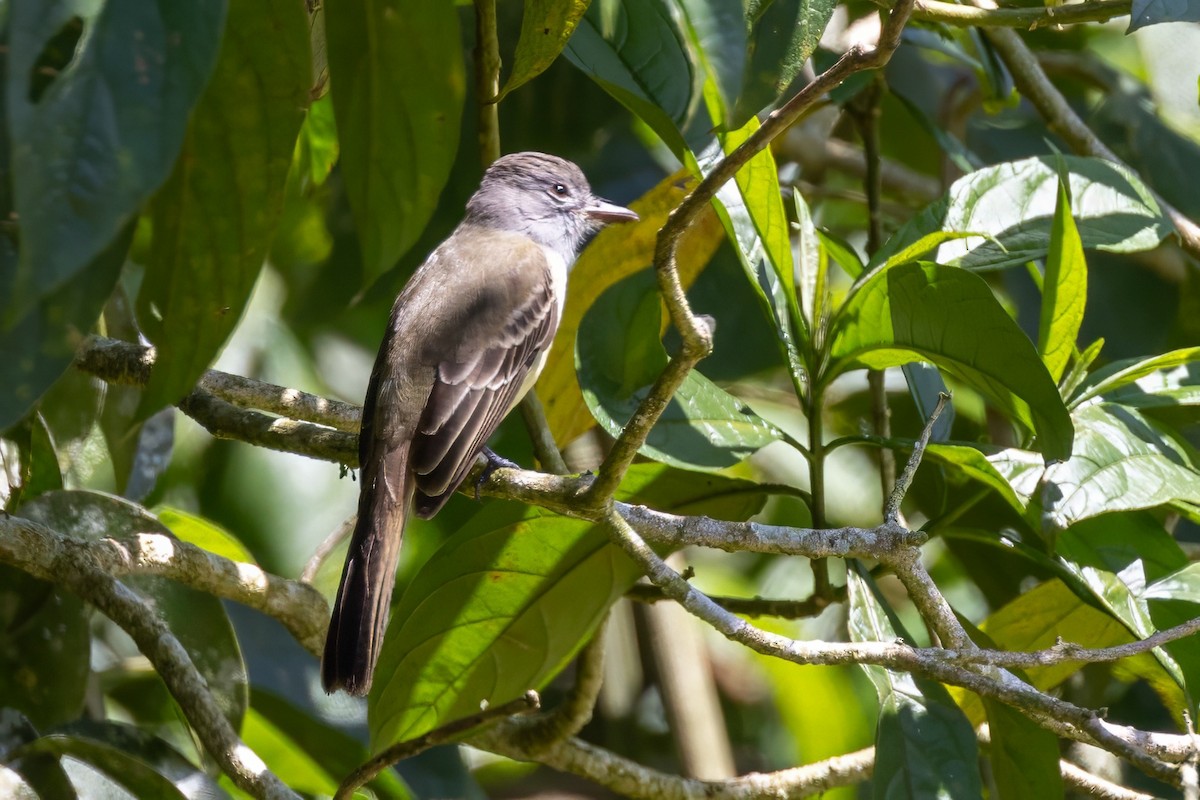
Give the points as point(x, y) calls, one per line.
point(636, 52)
point(1121, 461)
point(546, 26)
point(950, 317)
point(1024, 755)
point(1174, 371)
point(1064, 290)
point(398, 132)
point(783, 34)
point(214, 219)
point(506, 602)
point(703, 427)
point(716, 31)
point(1013, 204)
point(203, 533)
point(616, 253)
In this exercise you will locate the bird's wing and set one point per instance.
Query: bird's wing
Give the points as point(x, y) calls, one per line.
point(476, 388)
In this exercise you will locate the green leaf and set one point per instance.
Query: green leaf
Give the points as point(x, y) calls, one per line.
point(702, 428)
point(203, 533)
point(46, 648)
point(951, 318)
point(1116, 557)
point(143, 764)
point(497, 610)
point(44, 773)
point(716, 32)
point(1013, 204)
point(214, 219)
point(546, 26)
point(37, 463)
point(1121, 461)
point(1124, 373)
point(783, 34)
point(924, 745)
point(975, 464)
point(812, 267)
point(398, 84)
point(1024, 755)
point(196, 619)
point(634, 51)
point(45, 339)
point(103, 135)
point(751, 209)
point(505, 603)
point(295, 743)
point(842, 253)
point(1064, 290)
point(317, 145)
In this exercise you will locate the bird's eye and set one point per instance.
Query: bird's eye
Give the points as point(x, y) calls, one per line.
point(560, 189)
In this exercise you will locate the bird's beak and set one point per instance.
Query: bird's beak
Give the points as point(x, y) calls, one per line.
point(604, 211)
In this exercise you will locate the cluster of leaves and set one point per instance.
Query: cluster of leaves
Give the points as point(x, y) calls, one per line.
point(156, 157)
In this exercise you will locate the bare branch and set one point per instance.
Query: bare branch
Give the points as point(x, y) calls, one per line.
point(73, 565)
point(1025, 18)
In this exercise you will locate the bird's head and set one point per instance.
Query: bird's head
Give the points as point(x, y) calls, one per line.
point(545, 197)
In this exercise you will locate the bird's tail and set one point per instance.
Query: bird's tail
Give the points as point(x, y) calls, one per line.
point(360, 612)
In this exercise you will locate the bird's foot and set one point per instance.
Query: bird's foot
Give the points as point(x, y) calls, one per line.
point(494, 462)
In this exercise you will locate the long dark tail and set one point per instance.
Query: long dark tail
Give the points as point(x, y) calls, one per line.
point(360, 612)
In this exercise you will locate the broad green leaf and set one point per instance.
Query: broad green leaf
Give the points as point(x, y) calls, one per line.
point(141, 763)
point(1064, 290)
point(1024, 755)
point(1117, 556)
point(214, 219)
point(1153, 12)
point(294, 743)
point(398, 83)
point(618, 357)
point(924, 745)
point(105, 132)
point(1121, 461)
point(45, 648)
point(203, 533)
point(37, 463)
point(41, 344)
point(924, 246)
point(841, 253)
point(505, 603)
point(812, 267)
point(317, 145)
point(783, 34)
point(41, 771)
point(950, 317)
point(546, 26)
point(751, 209)
point(716, 32)
point(617, 252)
point(1036, 620)
point(1126, 372)
point(196, 619)
point(635, 51)
point(975, 464)
point(1013, 204)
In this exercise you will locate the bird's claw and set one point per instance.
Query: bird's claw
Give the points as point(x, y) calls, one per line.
point(494, 462)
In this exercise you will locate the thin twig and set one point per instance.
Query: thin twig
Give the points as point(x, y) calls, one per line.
point(537, 733)
point(1026, 18)
point(448, 732)
point(891, 511)
point(487, 80)
point(749, 606)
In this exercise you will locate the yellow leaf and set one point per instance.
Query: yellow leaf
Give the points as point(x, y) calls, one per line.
point(617, 252)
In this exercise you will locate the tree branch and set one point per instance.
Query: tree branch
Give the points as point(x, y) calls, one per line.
point(1026, 18)
point(74, 564)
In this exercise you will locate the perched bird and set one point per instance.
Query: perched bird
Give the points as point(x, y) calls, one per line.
point(467, 337)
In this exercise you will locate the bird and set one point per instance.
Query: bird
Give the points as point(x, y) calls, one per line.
point(466, 339)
